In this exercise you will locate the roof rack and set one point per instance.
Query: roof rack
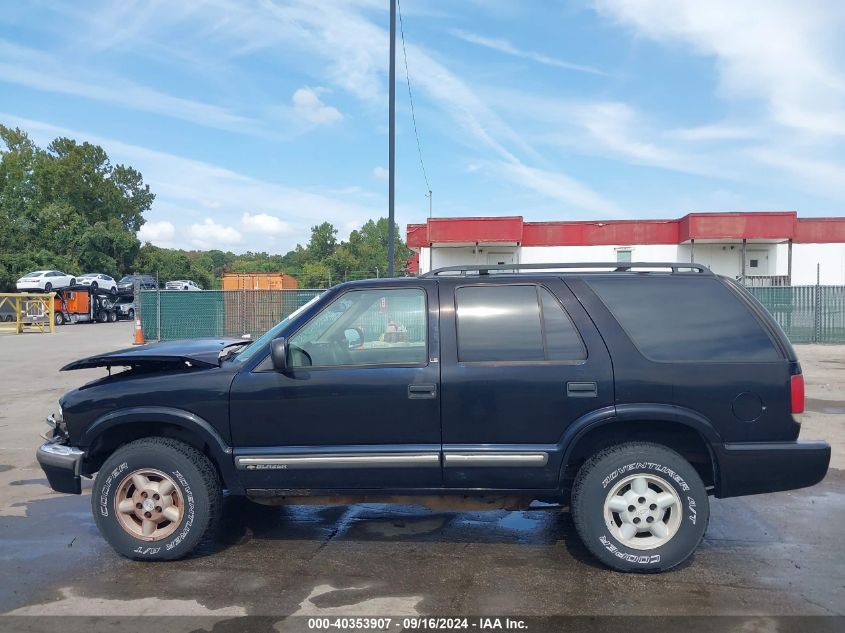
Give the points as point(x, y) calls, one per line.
point(618, 267)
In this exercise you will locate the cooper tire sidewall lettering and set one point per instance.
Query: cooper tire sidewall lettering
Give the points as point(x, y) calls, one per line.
point(649, 557)
point(105, 491)
point(195, 511)
point(597, 477)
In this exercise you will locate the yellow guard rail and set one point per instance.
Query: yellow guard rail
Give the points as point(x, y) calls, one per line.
point(33, 311)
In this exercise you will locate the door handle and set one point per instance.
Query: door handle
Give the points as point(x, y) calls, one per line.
point(582, 389)
point(420, 392)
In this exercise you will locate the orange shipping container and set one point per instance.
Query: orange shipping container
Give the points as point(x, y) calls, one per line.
point(258, 281)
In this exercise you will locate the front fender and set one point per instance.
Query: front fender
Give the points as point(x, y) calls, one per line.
point(219, 450)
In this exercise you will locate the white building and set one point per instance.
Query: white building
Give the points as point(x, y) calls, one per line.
point(778, 248)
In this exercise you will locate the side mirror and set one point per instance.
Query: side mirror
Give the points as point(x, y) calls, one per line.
point(353, 338)
point(279, 354)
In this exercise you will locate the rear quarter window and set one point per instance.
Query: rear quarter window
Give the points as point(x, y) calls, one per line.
point(685, 319)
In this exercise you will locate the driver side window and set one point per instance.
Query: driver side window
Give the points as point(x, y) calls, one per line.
point(364, 327)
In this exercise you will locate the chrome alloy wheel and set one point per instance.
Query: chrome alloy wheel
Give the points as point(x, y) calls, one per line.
point(149, 505)
point(643, 511)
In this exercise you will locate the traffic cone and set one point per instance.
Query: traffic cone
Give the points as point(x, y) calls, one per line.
point(139, 333)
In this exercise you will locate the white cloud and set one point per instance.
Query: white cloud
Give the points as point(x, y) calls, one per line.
point(557, 186)
point(265, 224)
point(380, 172)
point(504, 46)
point(34, 69)
point(210, 234)
point(716, 132)
point(159, 233)
point(308, 105)
point(787, 54)
point(182, 185)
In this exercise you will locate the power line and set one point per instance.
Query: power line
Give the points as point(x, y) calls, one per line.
point(411, 99)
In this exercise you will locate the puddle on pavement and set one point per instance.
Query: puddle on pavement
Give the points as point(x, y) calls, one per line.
point(71, 604)
point(327, 600)
point(827, 407)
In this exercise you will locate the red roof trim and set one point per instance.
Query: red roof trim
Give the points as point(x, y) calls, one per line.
point(779, 225)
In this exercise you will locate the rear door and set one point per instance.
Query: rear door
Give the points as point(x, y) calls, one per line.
point(520, 362)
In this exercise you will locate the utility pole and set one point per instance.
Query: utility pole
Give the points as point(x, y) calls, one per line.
point(429, 202)
point(391, 164)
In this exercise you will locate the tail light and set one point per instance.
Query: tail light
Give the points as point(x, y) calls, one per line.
point(796, 393)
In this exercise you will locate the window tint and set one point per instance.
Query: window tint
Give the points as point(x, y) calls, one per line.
point(676, 319)
point(498, 323)
point(562, 339)
point(364, 327)
point(503, 323)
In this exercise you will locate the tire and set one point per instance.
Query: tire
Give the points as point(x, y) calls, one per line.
point(601, 524)
point(102, 317)
point(48, 287)
point(113, 290)
point(131, 314)
point(196, 488)
point(112, 317)
point(59, 318)
point(73, 281)
point(94, 285)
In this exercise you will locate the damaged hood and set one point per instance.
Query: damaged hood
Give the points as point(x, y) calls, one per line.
point(193, 352)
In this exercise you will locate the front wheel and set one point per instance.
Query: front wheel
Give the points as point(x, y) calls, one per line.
point(59, 318)
point(113, 290)
point(73, 281)
point(48, 287)
point(131, 314)
point(156, 499)
point(640, 507)
point(94, 285)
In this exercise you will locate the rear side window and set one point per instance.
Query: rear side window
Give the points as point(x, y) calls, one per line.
point(676, 319)
point(506, 323)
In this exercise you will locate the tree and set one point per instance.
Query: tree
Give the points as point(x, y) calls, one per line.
point(323, 241)
point(315, 275)
point(66, 207)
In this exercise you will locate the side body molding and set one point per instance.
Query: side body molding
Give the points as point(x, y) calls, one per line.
point(220, 450)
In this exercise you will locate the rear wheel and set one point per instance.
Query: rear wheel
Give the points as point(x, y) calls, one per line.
point(640, 507)
point(131, 314)
point(48, 287)
point(156, 499)
point(113, 290)
point(102, 317)
point(112, 317)
point(59, 318)
point(73, 281)
point(94, 285)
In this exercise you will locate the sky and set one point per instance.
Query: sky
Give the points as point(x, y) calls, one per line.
point(254, 120)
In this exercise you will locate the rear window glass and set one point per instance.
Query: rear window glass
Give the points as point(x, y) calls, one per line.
point(503, 323)
point(677, 319)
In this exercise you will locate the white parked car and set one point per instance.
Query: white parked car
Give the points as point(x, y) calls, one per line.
point(98, 280)
point(45, 280)
point(181, 284)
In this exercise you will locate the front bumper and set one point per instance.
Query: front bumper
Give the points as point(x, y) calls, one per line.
point(754, 468)
point(63, 466)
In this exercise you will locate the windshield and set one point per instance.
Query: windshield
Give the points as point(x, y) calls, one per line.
point(249, 351)
point(36, 273)
point(125, 280)
point(86, 275)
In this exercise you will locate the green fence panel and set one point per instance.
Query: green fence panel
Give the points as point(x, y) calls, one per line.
point(808, 314)
point(216, 313)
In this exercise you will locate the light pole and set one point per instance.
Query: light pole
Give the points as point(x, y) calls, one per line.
point(391, 161)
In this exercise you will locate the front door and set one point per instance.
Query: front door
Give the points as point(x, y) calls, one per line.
point(359, 405)
point(521, 362)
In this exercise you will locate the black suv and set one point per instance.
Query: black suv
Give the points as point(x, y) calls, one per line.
point(126, 285)
point(630, 394)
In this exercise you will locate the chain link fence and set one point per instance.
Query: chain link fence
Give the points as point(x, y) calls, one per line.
point(808, 314)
